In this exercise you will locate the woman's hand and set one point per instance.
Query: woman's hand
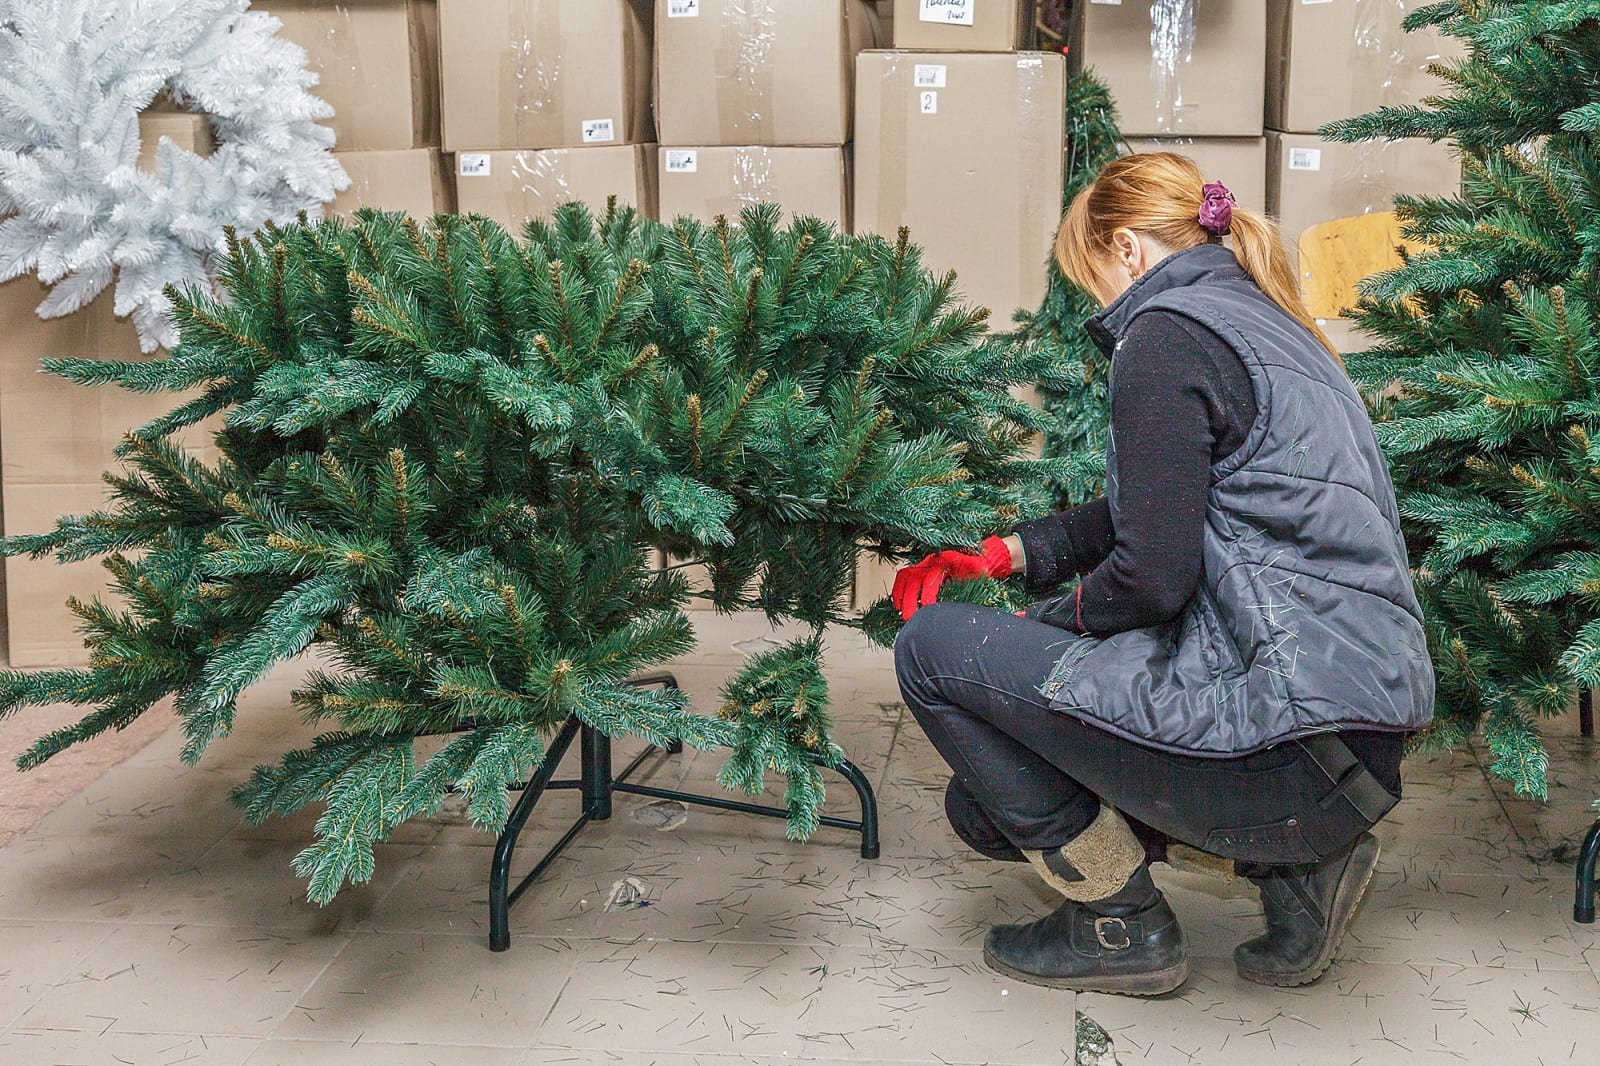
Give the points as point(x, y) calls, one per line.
point(918, 585)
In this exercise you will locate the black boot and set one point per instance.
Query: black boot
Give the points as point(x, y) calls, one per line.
point(1128, 943)
point(1308, 907)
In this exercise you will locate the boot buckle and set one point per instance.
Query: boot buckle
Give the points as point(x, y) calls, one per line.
point(1119, 929)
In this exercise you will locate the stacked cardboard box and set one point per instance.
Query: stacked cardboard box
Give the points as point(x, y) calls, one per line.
point(1240, 163)
point(57, 438)
point(753, 103)
point(958, 138)
point(1199, 96)
point(547, 102)
point(377, 63)
point(1328, 61)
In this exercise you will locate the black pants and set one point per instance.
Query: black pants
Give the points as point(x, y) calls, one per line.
point(1028, 777)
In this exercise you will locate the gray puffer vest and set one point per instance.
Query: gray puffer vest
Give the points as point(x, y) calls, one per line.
point(1305, 619)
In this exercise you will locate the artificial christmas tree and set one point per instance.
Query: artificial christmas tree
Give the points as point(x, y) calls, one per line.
point(1490, 356)
point(1075, 398)
point(448, 457)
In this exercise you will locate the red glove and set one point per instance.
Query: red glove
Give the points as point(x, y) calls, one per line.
point(918, 585)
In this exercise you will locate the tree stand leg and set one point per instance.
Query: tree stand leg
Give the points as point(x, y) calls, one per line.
point(596, 786)
point(1586, 713)
point(1583, 905)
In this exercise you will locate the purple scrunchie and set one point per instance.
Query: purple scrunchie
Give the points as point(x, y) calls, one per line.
point(1216, 208)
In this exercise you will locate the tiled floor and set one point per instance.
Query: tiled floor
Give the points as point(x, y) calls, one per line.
point(141, 923)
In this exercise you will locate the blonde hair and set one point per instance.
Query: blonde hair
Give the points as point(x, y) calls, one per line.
point(1158, 195)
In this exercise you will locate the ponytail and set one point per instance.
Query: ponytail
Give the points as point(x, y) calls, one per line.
point(1159, 194)
point(1259, 249)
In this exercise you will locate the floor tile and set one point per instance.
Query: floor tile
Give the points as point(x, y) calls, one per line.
point(881, 1003)
point(142, 803)
point(700, 998)
point(1470, 1014)
point(251, 883)
point(187, 980)
point(371, 1053)
point(43, 1047)
point(1454, 919)
point(446, 890)
point(88, 878)
point(408, 988)
point(1217, 1018)
point(34, 956)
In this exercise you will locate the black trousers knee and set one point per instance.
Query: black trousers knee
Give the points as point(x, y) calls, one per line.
point(1027, 777)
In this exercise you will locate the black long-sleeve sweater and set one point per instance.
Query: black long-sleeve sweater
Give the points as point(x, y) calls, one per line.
point(1181, 401)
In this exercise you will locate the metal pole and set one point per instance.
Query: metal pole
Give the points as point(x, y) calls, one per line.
point(597, 784)
point(500, 867)
point(1583, 905)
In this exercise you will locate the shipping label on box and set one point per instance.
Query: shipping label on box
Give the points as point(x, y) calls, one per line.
point(513, 187)
point(534, 74)
point(412, 180)
point(1332, 59)
point(376, 62)
point(991, 137)
point(960, 25)
point(706, 182)
point(758, 72)
point(1201, 79)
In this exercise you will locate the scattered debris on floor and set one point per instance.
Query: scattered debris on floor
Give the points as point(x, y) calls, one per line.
point(626, 894)
point(1094, 1044)
point(663, 815)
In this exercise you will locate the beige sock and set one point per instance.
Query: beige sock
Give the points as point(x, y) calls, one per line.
point(1094, 864)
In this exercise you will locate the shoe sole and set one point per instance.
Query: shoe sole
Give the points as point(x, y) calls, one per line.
point(1346, 897)
point(1151, 983)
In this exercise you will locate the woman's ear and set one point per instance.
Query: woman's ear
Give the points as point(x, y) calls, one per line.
point(1129, 251)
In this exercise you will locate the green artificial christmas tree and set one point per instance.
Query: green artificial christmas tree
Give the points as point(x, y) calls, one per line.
point(449, 457)
point(1489, 364)
point(1075, 397)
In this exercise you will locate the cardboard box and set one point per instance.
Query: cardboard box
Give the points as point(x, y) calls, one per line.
point(531, 74)
point(56, 439)
point(874, 580)
point(376, 62)
point(1346, 336)
point(965, 149)
point(756, 72)
point(1215, 88)
point(513, 187)
point(1240, 163)
point(1332, 59)
point(1310, 180)
point(959, 25)
point(413, 180)
point(188, 131)
point(706, 182)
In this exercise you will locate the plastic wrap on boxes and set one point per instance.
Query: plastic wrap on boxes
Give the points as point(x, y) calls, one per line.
point(512, 187)
point(757, 72)
point(1171, 46)
point(1177, 68)
point(720, 180)
point(1331, 60)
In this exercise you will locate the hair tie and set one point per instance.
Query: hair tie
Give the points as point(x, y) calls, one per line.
point(1216, 208)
